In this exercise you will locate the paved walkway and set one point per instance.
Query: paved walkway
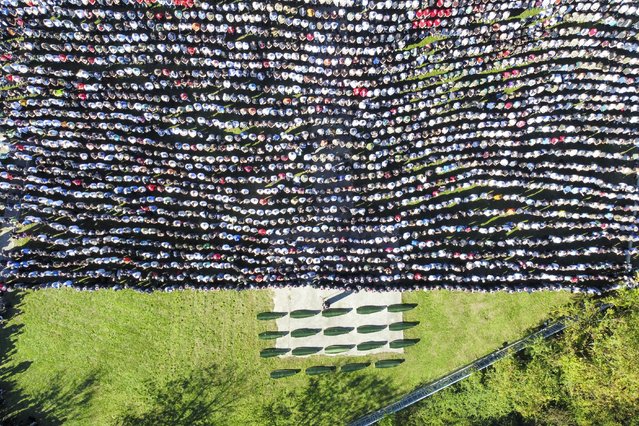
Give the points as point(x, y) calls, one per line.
point(291, 299)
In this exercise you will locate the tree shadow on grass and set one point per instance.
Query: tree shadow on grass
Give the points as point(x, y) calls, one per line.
point(59, 401)
point(203, 397)
point(56, 404)
point(332, 399)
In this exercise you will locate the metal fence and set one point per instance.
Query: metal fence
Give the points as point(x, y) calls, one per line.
point(456, 376)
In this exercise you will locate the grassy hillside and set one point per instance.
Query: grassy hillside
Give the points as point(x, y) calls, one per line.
point(189, 357)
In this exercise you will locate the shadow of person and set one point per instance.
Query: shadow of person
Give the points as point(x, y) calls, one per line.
point(203, 397)
point(331, 399)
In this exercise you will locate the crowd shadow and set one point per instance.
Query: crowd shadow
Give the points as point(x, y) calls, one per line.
point(203, 397)
point(331, 399)
point(56, 403)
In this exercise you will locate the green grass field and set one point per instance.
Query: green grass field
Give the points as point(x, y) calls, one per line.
point(103, 358)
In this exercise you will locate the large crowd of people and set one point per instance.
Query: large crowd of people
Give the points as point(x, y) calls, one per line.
point(361, 144)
